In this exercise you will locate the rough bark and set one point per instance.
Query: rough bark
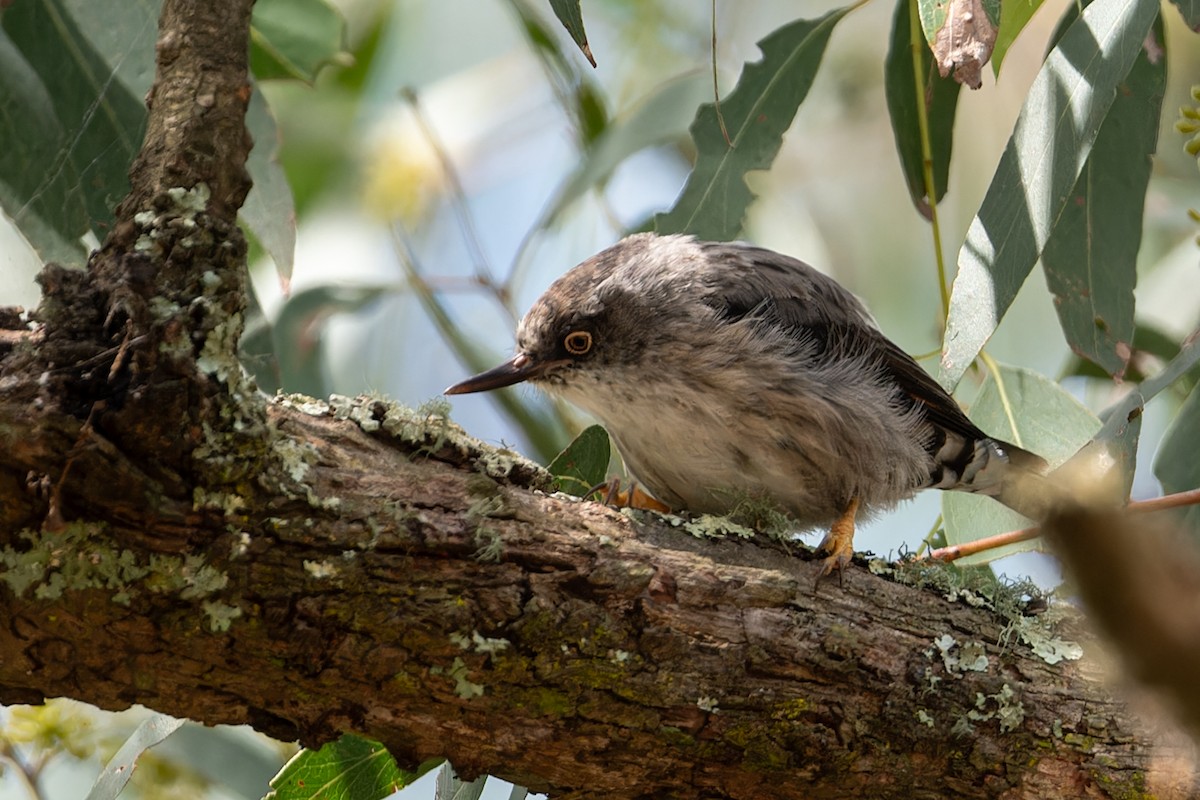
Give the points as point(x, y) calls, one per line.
point(169, 537)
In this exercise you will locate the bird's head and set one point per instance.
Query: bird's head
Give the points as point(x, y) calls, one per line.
point(593, 323)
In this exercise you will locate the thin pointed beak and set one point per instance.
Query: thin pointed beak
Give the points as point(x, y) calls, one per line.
point(519, 368)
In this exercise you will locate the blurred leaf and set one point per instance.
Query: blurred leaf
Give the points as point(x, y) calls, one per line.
point(575, 89)
point(940, 97)
point(571, 17)
point(583, 463)
point(1053, 137)
point(351, 767)
point(449, 787)
point(293, 39)
point(1049, 422)
point(1147, 341)
point(518, 793)
point(1014, 16)
point(296, 334)
point(661, 116)
point(1191, 12)
point(269, 211)
point(1090, 259)
point(70, 132)
point(756, 114)
point(119, 769)
point(1176, 464)
point(228, 756)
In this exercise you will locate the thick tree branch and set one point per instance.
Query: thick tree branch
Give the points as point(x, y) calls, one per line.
point(596, 654)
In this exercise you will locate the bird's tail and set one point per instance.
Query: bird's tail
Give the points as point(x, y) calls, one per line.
point(1011, 475)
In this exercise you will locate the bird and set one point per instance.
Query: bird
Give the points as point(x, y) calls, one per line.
point(725, 371)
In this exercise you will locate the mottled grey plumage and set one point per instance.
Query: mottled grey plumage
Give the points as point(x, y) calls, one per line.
point(726, 370)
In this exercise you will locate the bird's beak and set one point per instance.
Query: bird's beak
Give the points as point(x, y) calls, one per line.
point(519, 368)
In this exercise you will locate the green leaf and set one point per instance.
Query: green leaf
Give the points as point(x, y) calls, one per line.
point(661, 116)
point(1014, 16)
point(1062, 114)
point(1191, 12)
point(1176, 464)
point(351, 767)
point(449, 787)
point(119, 769)
point(296, 334)
point(571, 17)
point(576, 91)
point(1147, 341)
point(293, 39)
point(756, 114)
point(70, 132)
point(1035, 413)
point(940, 96)
point(269, 211)
point(583, 464)
point(1090, 259)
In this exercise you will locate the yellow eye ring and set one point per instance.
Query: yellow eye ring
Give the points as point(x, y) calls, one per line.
point(577, 343)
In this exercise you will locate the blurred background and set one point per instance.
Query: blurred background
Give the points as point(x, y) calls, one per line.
point(465, 155)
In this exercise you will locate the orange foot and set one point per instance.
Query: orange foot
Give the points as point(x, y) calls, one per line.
point(634, 497)
point(839, 542)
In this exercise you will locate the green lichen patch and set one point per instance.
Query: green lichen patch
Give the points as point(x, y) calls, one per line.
point(1038, 633)
point(79, 558)
point(1003, 706)
point(709, 526)
point(429, 431)
point(959, 657)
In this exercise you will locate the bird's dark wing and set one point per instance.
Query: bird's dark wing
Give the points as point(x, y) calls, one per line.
point(781, 291)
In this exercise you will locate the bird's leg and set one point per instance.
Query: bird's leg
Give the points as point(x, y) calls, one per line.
point(633, 497)
point(839, 542)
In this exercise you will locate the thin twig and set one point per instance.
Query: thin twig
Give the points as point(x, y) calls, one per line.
point(458, 200)
point(716, 88)
point(1178, 500)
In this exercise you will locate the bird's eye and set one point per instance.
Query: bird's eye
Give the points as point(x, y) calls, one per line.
point(578, 343)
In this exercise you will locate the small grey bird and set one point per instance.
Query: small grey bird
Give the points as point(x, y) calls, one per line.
point(724, 371)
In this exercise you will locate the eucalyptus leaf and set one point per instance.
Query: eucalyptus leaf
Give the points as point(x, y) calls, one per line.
point(1032, 412)
point(1190, 9)
point(570, 15)
point(119, 769)
point(269, 210)
point(1090, 259)
point(293, 39)
point(1014, 16)
point(70, 132)
point(583, 463)
point(449, 787)
point(350, 767)
point(1059, 121)
point(756, 114)
point(940, 96)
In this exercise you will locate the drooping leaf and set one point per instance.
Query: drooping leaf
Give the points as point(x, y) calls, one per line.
point(961, 34)
point(70, 132)
point(756, 114)
point(269, 210)
point(576, 90)
point(1035, 413)
point(1062, 114)
point(449, 787)
point(293, 39)
point(940, 96)
point(1014, 16)
point(119, 769)
point(1147, 341)
point(1191, 12)
point(583, 463)
point(1090, 258)
point(571, 17)
point(351, 767)
point(1176, 464)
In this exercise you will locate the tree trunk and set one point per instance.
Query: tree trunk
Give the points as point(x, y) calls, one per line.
point(170, 537)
